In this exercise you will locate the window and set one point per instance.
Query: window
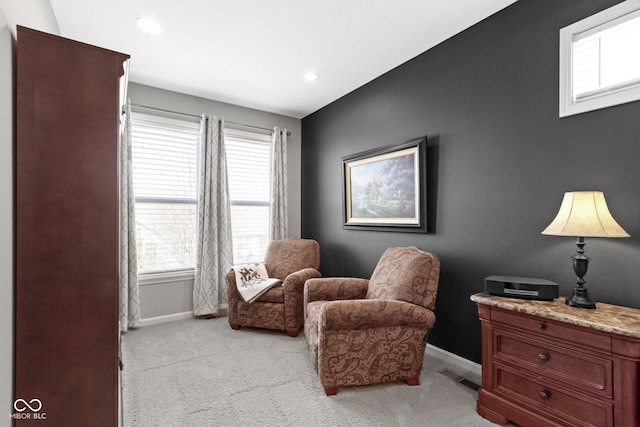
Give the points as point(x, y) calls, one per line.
point(599, 60)
point(249, 171)
point(165, 187)
point(165, 180)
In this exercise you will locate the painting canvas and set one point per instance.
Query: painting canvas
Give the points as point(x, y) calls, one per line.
point(383, 188)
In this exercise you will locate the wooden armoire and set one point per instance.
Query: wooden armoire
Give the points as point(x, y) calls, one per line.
point(68, 111)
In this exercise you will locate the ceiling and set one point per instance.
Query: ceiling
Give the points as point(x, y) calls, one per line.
point(254, 53)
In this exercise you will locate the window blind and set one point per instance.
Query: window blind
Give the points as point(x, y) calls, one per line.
point(249, 171)
point(605, 58)
point(165, 169)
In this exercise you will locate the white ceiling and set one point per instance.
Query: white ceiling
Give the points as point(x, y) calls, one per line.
point(254, 53)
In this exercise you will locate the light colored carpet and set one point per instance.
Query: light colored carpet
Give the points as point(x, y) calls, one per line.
point(202, 373)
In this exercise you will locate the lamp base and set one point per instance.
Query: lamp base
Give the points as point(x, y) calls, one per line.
point(580, 299)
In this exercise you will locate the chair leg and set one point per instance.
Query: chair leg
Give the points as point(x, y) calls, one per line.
point(292, 333)
point(331, 391)
point(413, 381)
point(235, 327)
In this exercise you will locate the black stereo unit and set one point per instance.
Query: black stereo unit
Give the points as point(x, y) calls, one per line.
point(521, 287)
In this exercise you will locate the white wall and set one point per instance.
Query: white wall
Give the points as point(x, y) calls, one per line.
point(6, 221)
point(36, 14)
point(170, 298)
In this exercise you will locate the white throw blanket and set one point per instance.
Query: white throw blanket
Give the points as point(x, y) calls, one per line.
point(252, 280)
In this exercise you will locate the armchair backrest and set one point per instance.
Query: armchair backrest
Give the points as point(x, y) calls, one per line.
point(406, 274)
point(284, 257)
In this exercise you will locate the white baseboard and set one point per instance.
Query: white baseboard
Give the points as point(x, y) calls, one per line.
point(177, 316)
point(166, 318)
point(467, 367)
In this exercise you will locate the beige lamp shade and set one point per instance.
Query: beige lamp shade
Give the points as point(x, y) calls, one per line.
point(584, 214)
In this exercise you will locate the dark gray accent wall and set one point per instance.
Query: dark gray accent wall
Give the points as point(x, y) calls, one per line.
point(499, 162)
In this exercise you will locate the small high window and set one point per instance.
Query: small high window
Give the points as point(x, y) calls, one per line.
point(600, 60)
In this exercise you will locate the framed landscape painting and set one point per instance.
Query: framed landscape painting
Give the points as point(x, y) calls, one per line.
point(384, 189)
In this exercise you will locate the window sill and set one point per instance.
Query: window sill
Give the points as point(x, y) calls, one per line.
point(165, 277)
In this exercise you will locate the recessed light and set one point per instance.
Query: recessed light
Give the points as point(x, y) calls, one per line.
point(149, 25)
point(311, 76)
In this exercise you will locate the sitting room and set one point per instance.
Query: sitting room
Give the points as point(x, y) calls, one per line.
point(445, 194)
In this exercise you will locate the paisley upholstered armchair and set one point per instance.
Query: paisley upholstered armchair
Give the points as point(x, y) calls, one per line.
point(372, 331)
point(291, 260)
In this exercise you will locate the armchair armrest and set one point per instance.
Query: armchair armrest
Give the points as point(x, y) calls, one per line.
point(335, 288)
point(232, 288)
point(295, 281)
point(233, 296)
point(293, 298)
point(372, 313)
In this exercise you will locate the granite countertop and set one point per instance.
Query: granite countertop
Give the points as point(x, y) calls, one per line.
point(605, 317)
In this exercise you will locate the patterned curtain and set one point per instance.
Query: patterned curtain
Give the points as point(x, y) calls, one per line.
point(279, 215)
point(129, 292)
point(214, 249)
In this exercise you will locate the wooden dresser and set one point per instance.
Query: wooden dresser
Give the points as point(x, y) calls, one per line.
point(547, 364)
point(66, 231)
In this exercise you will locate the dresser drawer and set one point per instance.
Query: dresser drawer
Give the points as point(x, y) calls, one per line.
point(574, 409)
point(566, 367)
point(554, 329)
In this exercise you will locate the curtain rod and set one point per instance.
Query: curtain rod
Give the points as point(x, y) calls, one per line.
point(193, 116)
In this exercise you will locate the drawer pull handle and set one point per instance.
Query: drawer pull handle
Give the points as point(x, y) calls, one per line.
point(544, 395)
point(543, 357)
point(542, 326)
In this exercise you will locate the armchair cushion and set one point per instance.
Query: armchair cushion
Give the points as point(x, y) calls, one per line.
point(275, 294)
point(405, 274)
point(284, 257)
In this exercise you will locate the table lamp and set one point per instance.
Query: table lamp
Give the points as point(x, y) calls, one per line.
point(583, 214)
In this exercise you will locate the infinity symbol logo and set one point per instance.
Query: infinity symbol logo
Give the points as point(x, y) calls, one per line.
point(37, 405)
